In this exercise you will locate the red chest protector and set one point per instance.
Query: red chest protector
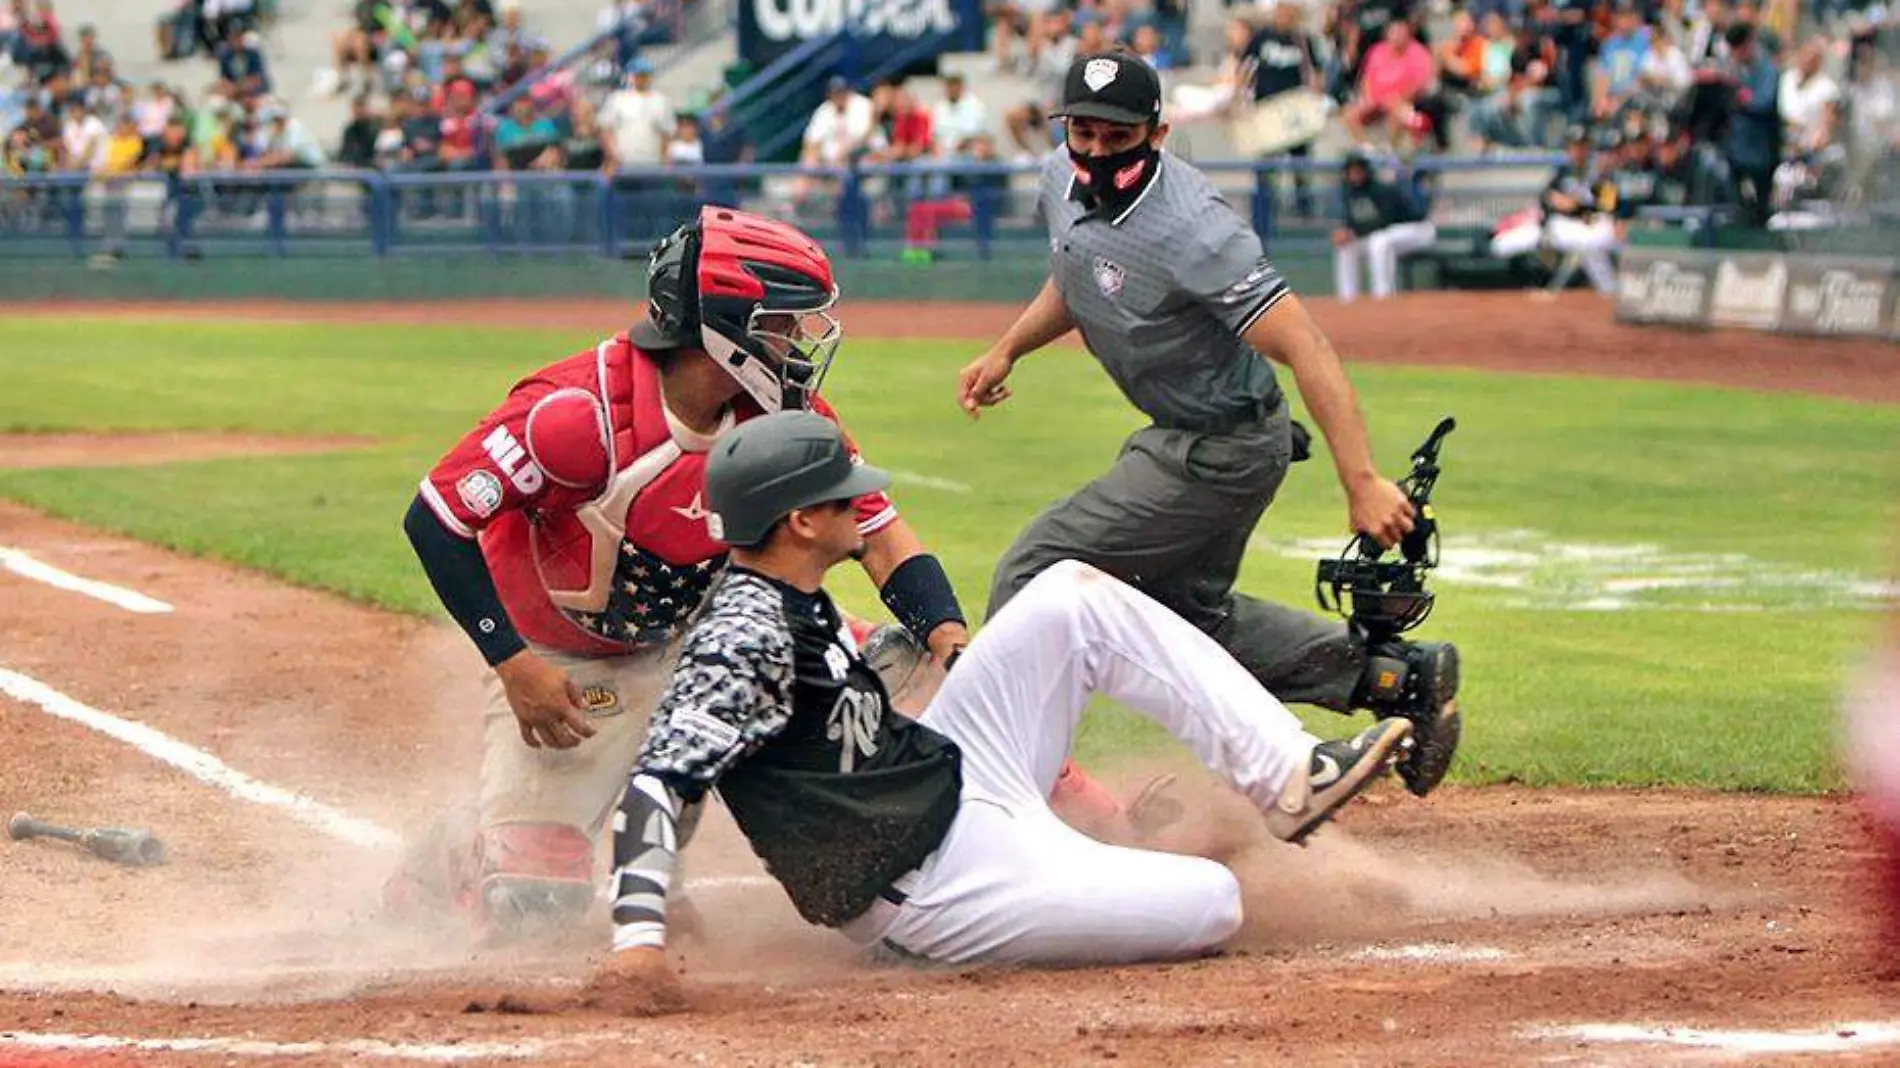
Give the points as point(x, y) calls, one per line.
point(630, 565)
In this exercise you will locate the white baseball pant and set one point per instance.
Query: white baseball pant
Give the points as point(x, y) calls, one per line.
point(1382, 250)
point(1590, 240)
point(1012, 883)
point(576, 787)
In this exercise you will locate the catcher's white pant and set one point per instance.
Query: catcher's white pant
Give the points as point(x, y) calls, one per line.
point(1381, 250)
point(1011, 882)
point(576, 787)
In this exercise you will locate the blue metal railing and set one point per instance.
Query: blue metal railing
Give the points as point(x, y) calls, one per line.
point(981, 209)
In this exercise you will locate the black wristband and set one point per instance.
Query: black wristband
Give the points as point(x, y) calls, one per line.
point(459, 573)
point(918, 593)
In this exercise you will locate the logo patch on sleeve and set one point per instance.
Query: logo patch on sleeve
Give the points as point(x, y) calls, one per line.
point(480, 492)
point(711, 731)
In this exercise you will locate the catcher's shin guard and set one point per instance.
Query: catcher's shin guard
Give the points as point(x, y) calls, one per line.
point(530, 878)
point(1417, 681)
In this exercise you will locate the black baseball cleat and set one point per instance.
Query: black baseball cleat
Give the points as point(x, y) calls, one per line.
point(1418, 681)
point(1337, 772)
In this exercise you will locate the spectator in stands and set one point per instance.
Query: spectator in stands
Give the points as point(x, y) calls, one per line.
point(358, 147)
point(1754, 130)
point(124, 151)
point(1397, 72)
point(1146, 42)
point(1810, 103)
point(924, 217)
point(454, 81)
point(1231, 76)
point(241, 62)
point(359, 45)
point(82, 139)
point(1012, 21)
point(1500, 44)
point(87, 53)
point(11, 14)
point(686, 149)
point(1664, 77)
point(1874, 107)
point(103, 92)
point(154, 110)
point(39, 120)
point(171, 157)
point(1286, 64)
point(912, 136)
point(1052, 49)
point(1619, 64)
point(282, 143)
point(630, 25)
point(41, 48)
point(458, 132)
point(526, 140)
point(639, 118)
point(586, 147)
point(1517, 116)
point(1382, 224)
point(725, 143)
point(1461, 58)
point(837, 133)
point(221, 20)
point(958, 118)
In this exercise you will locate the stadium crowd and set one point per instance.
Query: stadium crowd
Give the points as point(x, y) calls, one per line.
point(1677, 101)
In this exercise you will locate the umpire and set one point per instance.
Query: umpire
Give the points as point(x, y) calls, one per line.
point(1173, 294)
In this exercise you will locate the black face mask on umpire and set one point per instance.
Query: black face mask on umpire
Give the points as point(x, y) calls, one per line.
point(1124, 90)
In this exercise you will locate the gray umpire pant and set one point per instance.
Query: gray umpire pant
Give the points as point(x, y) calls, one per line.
point(1172, 518)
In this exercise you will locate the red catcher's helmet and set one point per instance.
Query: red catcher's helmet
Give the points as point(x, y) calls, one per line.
point(755, 294)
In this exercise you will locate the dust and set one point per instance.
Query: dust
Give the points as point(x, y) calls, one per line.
point(1342, 886)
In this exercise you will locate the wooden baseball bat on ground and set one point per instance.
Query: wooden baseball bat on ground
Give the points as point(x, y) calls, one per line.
point(119, 845)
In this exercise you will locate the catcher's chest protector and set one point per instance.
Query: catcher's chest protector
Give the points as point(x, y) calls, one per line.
point(632, 564)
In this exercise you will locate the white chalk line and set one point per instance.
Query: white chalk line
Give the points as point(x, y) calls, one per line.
point(1433, 953)
point(26, 566)
point(1842, 1038)
point(199, 764)
point(440, 1053)
point(947, 485)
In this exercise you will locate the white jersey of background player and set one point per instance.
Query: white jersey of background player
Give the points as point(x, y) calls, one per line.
point(934, 837)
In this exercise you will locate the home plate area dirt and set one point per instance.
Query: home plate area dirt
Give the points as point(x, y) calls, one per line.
point(1495, 926)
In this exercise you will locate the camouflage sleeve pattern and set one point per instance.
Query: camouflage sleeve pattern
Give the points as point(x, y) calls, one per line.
point(731, 691)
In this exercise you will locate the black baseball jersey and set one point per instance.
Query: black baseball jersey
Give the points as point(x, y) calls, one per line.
point(1376, 205)
point(838, 793)
point(1594, 195)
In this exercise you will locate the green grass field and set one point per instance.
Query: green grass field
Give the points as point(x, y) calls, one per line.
point(1652, 584)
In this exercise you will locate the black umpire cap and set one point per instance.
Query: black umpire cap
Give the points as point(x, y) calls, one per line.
point(1113, 86)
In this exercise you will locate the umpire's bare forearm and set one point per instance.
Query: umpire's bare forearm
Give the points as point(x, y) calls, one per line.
point(1046, 319)
point(1288, 334)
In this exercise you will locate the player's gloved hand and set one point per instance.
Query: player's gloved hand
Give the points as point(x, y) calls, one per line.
point(980, 385)
point(1379, 509)
point(635, 982)
point(545, 701)
point(946, 641)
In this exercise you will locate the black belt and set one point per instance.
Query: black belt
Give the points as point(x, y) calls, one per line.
point(1258, 412)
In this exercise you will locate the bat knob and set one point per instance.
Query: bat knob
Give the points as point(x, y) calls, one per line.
point(20, 826)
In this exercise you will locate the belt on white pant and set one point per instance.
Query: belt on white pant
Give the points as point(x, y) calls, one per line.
point(869, 927)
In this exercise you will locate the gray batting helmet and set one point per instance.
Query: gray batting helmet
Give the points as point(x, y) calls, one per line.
point(769, 466)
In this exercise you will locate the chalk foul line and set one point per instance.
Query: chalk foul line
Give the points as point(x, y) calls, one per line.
point(27, 567)
point(444, 1053)
point(199, 764)
point(1841, 1038)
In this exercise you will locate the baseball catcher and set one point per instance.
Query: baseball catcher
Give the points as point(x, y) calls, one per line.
point(934, 837)
point(568, 535)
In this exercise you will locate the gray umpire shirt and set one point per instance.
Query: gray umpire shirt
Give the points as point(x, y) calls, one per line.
point(1163, 292)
